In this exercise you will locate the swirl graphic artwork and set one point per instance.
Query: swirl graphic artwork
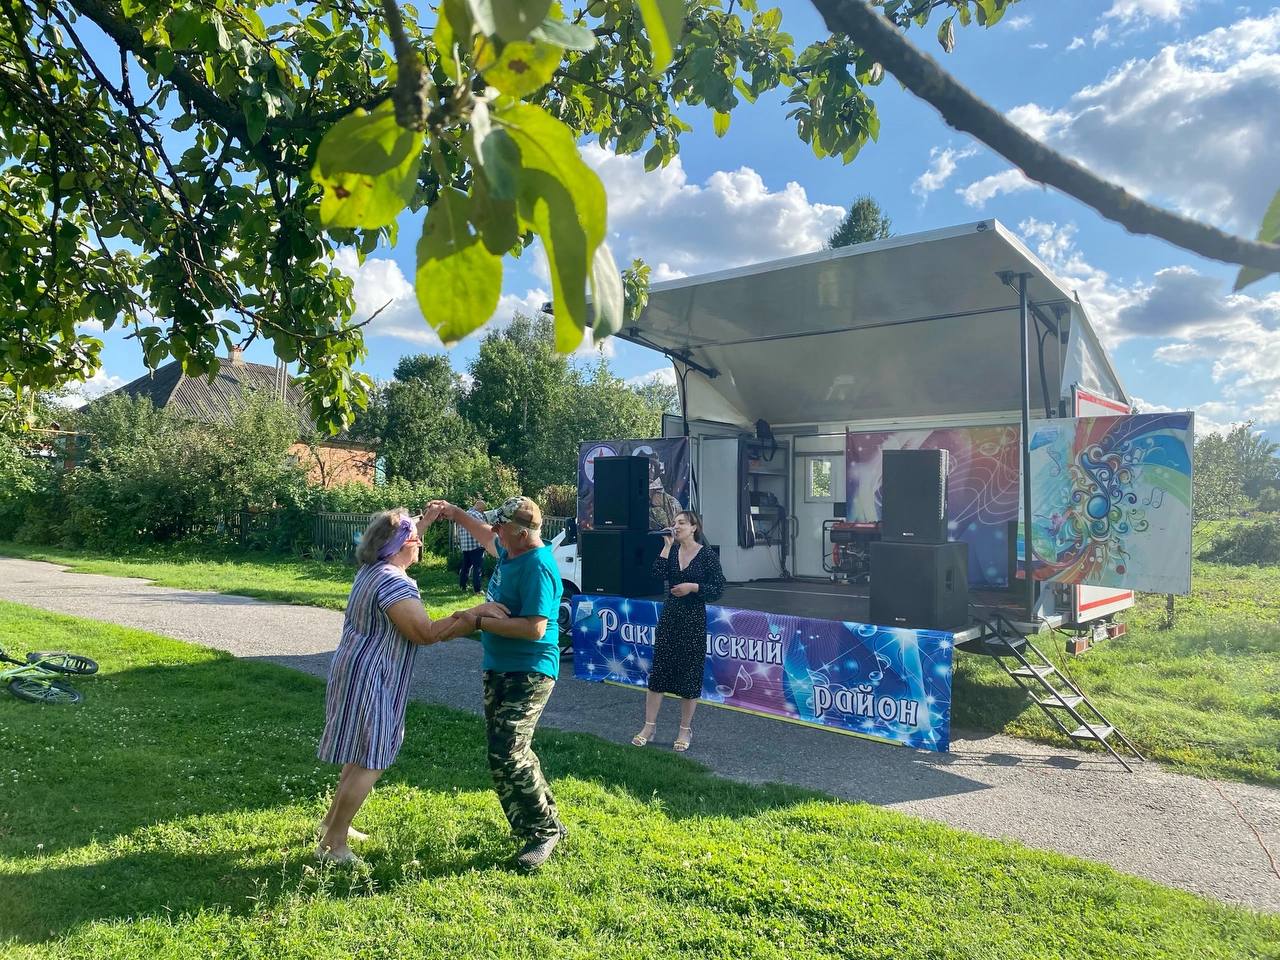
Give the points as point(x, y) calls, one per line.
point(882, 682)
point(1111, 501)
point(982, 487)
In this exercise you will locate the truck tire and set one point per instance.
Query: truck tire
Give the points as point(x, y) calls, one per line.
point(565, 619)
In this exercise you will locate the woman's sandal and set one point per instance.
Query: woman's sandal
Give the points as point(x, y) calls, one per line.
point(640, 739)
point(682, 742)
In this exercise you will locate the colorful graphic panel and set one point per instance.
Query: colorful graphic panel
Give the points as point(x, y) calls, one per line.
point(982, 487)
point(882, 682)
point(1111, 501)
point(668, 476)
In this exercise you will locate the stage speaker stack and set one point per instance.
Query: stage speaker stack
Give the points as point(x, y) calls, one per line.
point(918, 579)
point(914, 492)
point(619, 562)
point(622, 493)
point(617, 556)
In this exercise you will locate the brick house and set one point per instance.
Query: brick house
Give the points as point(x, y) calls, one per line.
point(332, 460)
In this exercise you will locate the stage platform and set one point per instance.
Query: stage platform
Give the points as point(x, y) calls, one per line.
point(824, 600)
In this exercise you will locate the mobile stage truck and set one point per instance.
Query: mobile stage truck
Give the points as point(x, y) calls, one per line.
point(795, 377)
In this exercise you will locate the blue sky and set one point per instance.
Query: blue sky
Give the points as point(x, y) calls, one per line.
point(1175, 98)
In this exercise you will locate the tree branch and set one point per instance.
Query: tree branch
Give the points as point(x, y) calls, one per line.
point(920, 74)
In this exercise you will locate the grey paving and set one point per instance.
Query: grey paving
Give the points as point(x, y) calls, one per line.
point(1170, 828)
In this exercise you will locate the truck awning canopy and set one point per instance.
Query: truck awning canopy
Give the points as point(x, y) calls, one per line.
point(912, 326)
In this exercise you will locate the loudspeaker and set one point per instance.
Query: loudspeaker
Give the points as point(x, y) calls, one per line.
point(619, 562)
point(920, 585)
point(622, 493)
point(914, 495)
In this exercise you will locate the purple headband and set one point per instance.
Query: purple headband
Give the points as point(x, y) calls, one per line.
point(392, 546)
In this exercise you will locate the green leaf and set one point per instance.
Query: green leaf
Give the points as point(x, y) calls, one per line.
point(497, 154)
point(182, 26)
point(482, 15)
point(663, 23)
point(521, 68)
point(570, 36)
point(947, 34)
point(563, 201)
point(1269, 232)
point(495, 219)
point(607, 299)
point(720, 122)
point(514, 19)
point(255, 119)
point(368, 167)
point(446, 36)
point(458, 280)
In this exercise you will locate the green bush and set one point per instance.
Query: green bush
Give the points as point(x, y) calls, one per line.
point(1247, 543)
point(559, 500)
point(1269, 500)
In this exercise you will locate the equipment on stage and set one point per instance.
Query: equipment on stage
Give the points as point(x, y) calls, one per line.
point(621, 493)
point(619, 562)
point(914, 494)
point(846, 549)
point(920, 585)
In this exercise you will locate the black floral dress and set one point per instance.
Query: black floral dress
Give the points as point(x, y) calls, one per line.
point(680, 643)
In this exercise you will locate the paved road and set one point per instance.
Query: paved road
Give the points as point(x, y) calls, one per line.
point(1167, 827)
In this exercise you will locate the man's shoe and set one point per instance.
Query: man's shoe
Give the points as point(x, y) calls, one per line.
point(538, 852)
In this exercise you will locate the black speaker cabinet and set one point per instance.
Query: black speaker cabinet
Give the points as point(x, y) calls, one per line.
point(619, 562)
point(622, 493)
point(924, 586)
point(913, 492)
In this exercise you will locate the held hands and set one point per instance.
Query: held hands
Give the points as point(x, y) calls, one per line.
point(436, 510)
point(683, 589)
point(492, 609)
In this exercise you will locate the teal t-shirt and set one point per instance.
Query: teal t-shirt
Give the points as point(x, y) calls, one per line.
point(529, 586)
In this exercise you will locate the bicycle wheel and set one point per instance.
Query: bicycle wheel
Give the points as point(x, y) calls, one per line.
point(64, 662)
point(44, 691)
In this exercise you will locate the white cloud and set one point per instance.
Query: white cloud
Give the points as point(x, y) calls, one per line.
point(661, 375)
point(682, 228)
point(1197, 317)
point(78, 394)
point(942, 164)
point(1017, 23)
point(979, 192)
point(380, 285)
point(1040, 46)
point(1076, 43)
point(1128, 11)
point(1192, 127)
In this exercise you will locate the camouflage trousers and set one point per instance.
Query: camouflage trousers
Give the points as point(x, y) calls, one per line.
point(513, 702)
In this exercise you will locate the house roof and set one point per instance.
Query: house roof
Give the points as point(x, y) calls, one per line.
point(213, 400)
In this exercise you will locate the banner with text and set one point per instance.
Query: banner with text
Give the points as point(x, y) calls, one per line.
point(889, 683)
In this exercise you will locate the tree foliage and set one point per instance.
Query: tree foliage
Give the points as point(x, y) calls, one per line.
point(415, 423)
point(185, 171)
point(865, 221)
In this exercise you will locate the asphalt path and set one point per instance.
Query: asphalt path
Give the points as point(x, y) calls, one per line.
point(1177, 830)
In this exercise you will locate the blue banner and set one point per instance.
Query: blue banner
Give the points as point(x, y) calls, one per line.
point(882, 682)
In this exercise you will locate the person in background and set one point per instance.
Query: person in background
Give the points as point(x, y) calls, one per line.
point(521, 663)
point(368, 687)
point(472, 551)
point(694, 579)
point(663, 507)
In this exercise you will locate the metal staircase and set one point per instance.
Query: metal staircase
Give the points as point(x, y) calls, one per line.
point(1035, 673)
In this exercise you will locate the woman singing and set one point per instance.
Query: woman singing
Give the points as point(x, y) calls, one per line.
point(679, 648)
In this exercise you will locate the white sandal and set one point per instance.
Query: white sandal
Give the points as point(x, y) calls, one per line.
point(352, 833)
point(640, 740)
point(682, 743)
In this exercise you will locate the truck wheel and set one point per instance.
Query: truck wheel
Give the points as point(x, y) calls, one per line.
point(565, 619)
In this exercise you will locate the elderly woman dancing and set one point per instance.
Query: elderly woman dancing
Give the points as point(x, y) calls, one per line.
point(369, 675)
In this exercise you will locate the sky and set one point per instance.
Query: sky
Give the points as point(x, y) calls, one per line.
point(1174, 99)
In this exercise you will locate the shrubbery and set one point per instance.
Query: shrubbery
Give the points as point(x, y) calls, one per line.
point(1247, 543)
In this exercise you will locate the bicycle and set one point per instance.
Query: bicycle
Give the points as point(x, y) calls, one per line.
point(40, 678)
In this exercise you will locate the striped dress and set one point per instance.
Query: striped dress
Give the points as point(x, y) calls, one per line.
point(369, 676)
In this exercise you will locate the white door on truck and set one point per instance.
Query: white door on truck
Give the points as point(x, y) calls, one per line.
point(819, 485)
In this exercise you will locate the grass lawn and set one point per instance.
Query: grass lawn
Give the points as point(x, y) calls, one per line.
point(315, 583)
point(1203, 697)
point(169, 815)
